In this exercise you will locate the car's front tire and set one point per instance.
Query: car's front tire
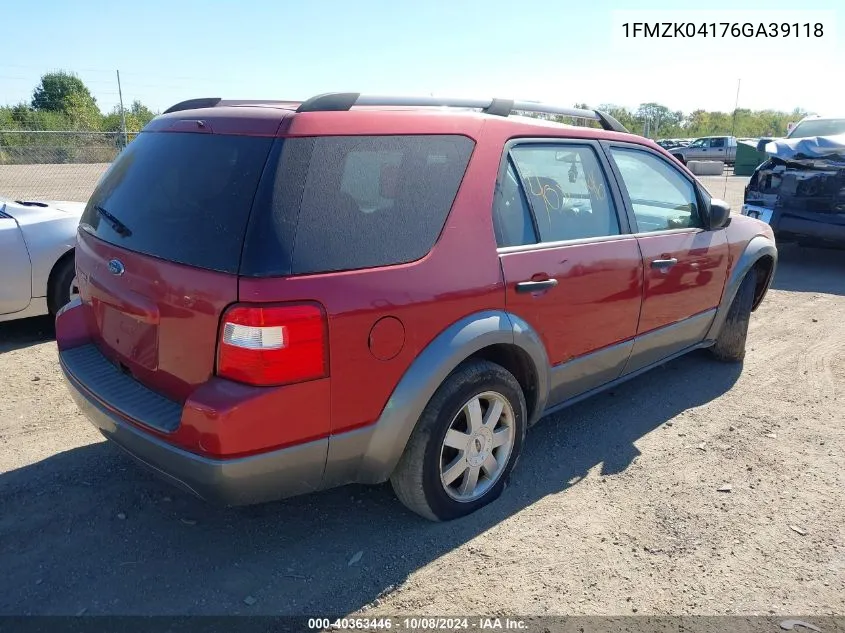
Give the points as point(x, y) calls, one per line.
point(62, 284)
point(730, 344)
point(465, 444)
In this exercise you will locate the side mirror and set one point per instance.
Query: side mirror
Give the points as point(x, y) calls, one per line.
point(720, 214)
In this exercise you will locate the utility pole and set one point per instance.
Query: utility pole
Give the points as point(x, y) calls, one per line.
point(122, 112)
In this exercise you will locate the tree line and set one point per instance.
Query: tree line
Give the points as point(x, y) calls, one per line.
point(62, 102)
point(656, 121)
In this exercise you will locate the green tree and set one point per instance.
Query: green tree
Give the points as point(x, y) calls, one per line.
point(656, 119)
point(621, 114)
point(141, 112)
point(82, 112)
point(137, 116)
point(59, 91)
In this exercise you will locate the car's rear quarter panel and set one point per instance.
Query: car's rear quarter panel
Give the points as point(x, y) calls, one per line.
point(459, 276)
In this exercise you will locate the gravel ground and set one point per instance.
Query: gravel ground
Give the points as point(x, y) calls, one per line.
point(730, 188)
point(50, 182)
point(614, 508)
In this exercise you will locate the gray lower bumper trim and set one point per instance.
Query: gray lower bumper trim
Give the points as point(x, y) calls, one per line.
point(274, 475)
point(121, 391)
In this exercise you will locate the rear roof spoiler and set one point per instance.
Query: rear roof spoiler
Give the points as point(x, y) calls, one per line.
point(343, 101)
point(211, 102)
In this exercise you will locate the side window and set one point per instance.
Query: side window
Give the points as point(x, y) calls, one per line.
point(717, 142)
point(511, 215)
point(567, 191)
point(661, 197)
point(374, 200)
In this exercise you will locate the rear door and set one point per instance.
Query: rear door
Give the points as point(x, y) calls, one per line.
point(719, 149)
point(684, 264)
point(572, 269)
point(159, 249)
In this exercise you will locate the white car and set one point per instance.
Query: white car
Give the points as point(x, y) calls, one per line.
point(37, 241)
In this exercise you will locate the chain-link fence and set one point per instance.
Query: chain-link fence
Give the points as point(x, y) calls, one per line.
point(55, 165)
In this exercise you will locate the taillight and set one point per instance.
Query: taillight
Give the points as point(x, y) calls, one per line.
point(273, 345)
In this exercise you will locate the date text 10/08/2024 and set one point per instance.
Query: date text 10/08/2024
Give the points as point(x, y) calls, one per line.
point(690, 30)
point(417, 624)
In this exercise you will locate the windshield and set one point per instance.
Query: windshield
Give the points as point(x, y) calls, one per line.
point(818, 127)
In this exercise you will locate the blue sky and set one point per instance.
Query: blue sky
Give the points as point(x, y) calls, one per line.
point(554, 51)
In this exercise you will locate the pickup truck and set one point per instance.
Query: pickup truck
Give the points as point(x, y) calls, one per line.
point(721, 148)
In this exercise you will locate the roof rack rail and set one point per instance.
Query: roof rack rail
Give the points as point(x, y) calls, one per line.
point(211, 102)
point(340, 101)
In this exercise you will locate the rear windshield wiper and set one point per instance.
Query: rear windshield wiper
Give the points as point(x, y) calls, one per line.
point(119, 227)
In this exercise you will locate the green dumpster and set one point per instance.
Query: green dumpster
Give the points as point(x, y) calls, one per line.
point(747, 158)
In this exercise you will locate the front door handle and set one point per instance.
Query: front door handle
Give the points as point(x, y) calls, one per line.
point(536, 286)
point(664, 263)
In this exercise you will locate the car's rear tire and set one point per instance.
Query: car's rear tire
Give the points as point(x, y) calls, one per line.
point(62, 284)
point(730, 344)
point(465, 444)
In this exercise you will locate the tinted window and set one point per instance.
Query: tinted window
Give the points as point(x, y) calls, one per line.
point(346, 202)
point(717, 142)
point(567, 190)
point(183, 197)
point(661, 197)
point(511, 215)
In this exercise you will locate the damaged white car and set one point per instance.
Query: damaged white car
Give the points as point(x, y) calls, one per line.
point(37, 241)
point(800, 189)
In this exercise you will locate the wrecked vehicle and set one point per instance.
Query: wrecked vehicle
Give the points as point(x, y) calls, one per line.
point(800, 189)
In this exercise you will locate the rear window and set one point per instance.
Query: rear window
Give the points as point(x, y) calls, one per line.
point(183, 197)
point(347, 202)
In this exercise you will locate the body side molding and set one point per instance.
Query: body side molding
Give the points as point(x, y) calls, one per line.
point(663, 342)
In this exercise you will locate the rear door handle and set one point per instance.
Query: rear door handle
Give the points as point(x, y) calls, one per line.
point(535, 286)
point(664, 263)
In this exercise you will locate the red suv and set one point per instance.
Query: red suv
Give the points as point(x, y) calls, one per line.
point(278, 297)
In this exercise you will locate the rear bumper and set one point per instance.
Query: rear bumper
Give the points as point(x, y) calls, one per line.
point(239, 481)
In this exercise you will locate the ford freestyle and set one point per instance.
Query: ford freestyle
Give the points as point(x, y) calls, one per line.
point(282, 297)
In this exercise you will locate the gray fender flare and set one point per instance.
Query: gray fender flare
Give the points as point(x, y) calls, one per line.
point(757, 248)
point(449, 349)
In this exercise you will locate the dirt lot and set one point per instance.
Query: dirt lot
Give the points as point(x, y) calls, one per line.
point(729, 188)
point(50, 182)
point(613, 509)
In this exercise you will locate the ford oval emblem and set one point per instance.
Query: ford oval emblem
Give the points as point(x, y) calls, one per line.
point(116, 267)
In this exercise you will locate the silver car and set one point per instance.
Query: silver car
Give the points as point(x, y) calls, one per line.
point(37, 241)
